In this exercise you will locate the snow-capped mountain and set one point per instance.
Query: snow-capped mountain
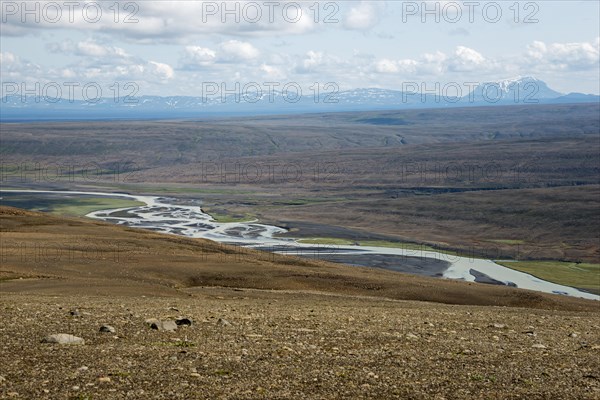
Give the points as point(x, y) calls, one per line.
point(520, 90)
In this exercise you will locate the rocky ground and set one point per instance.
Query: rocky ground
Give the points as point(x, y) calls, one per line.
point(257, 344)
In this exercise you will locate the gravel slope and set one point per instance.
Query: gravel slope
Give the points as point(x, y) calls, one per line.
point(293, 345)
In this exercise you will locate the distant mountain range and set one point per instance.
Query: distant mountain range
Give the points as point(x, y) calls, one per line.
point(521, 90)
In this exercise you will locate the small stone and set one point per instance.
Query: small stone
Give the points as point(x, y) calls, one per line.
point(195, 375)
point(63, 338)
point(498, 326)
point(573, 335)
point(223, 322)
point(2, 379)
point(82, 368)
point(75, 387)
point(167, 325)
point(411, 336)
point(538, 346)
point(107, 329)
point(104, 379)
point(183, 321)
point(529, 329)
point(75, 313)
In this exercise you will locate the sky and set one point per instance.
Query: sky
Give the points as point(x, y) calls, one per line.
point(186, 47)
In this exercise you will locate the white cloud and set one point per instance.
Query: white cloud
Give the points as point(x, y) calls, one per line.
point(165, 21)
point(272, 73)
point(87, 48)
point(68, 73)
point(363, 16)
point(387, 66)
point(7, 58)
point(582, 55)
point(235, 50)
point(310, 62)
point(161, 70)
point(196, 56)
point(466, 59)
point(91, 49)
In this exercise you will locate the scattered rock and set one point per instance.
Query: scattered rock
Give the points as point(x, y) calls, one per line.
point(104, 379)
point(411, 336)
point(63, 338)
point(223, 322)
point(573, 335)
point(166, 325)
point(107, 329)
point(183, 321)
point(529, 329)
point(83, 368)
point(75, 313)
point(497, 326)
point(538, 346)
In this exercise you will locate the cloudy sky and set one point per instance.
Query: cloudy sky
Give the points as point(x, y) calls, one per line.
point(173, 47)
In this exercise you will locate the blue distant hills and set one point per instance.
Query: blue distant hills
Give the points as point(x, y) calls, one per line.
point(521, 90)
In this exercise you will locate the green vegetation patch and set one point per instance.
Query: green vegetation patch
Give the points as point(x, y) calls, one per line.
point(81, 207)
point(226, 218)
point(65, 205)
point(584, 276)
point(342, 242)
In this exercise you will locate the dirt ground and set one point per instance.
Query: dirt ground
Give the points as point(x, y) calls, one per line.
point(293, 345)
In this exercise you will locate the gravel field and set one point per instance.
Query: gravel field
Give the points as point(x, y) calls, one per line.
point(255, 344)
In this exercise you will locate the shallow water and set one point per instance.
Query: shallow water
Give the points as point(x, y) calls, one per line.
point(168, 215)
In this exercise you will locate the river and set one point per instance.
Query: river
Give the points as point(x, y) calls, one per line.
point(179, 217)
